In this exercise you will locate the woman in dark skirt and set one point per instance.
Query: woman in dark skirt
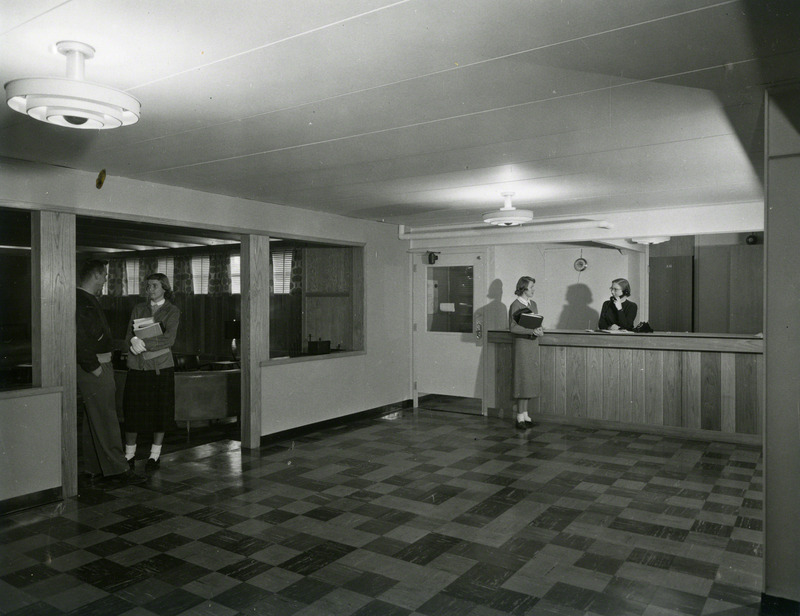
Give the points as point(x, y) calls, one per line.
point(526, 352)
point(149, 398)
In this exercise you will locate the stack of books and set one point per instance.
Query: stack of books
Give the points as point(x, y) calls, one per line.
point(146, 327)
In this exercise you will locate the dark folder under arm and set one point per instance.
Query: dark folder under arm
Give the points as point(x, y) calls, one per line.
point(527, 318)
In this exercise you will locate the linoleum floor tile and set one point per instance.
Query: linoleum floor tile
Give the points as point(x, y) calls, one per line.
point(430, 513)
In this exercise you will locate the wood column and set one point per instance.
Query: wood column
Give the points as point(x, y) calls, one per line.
point(53, 326)
point(782, 348)
point(255, 333)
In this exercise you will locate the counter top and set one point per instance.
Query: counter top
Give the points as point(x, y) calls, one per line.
point(676, 341)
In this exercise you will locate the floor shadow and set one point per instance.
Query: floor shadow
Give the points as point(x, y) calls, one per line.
point(176, 439)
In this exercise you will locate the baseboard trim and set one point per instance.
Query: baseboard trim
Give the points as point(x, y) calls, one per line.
point(378, 411)
point(778, 606)
point(671, 431)
point(28, 501)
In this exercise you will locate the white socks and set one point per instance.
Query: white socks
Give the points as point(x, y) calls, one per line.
point(130, 451)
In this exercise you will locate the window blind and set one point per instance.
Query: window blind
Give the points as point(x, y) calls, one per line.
point(282, 270)
point(166, 266)
point(200, 271)
point(132, 274)
point(236, 274)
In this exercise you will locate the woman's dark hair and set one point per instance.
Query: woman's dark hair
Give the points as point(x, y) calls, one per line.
point(164, 284)
point(523, 283)
point(624, 285)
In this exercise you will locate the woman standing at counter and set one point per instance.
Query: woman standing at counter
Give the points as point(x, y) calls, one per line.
point(618, 312)
point(149, 399)
point(526, 352)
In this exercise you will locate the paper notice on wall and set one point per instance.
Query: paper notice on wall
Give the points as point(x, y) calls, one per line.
point(447, 307)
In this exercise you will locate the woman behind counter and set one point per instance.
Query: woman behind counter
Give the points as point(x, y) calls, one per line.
point(619, 312)
point(526, 352)
point(149, 398)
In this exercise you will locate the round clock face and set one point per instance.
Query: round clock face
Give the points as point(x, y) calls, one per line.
point(580, 264)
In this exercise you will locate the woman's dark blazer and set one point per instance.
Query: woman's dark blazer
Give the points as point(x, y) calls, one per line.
point(624, 318)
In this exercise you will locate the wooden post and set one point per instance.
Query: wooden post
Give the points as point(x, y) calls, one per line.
point(255, 333)
point(781, 348)
point(53, 326)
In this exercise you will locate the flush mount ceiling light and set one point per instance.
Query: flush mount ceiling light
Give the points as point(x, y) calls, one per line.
point(508, 216)
point(71, 101)
point(654, 239)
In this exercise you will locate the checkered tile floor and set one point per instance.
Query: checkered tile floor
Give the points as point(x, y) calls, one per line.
point(420, 512)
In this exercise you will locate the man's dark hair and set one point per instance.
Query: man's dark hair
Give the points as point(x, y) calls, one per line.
point(88, 268)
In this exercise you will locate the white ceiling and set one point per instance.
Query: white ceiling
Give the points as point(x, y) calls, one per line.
point(419, 111)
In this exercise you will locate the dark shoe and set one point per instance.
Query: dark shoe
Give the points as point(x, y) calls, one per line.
point(132, 463)
point(152, 465)
point(520, 425)
point(128, 478)
point(529, 423)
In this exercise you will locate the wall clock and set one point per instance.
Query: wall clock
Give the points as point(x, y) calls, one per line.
point(580, 264)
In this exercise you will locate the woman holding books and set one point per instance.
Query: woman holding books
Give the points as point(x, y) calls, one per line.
point(149, 398)
point(618, 313)
point(526, 350)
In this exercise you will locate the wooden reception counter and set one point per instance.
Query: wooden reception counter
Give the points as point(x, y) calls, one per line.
point(674, 383)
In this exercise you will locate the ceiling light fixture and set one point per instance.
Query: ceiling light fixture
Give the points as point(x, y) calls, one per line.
point(653, 239)
point(71, 101)
point(508, 216)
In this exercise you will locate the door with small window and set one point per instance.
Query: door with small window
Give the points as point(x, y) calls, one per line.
point(447, 335)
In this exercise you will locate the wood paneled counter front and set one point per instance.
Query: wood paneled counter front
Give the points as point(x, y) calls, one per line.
point(674, 382)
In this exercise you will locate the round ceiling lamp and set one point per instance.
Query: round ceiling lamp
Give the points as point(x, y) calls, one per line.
point(653, 239)
point(508, 216)
point(71, 101)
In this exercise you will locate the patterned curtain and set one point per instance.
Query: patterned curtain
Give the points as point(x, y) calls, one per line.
point(219, 273)
point(297, 272)
point(117, 278)
point(182, 276)
point(147, 266)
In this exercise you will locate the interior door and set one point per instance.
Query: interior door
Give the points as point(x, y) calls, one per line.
point(671, 294)
point(448, 334)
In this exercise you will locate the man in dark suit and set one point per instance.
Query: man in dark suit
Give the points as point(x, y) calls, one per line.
point(102, 444)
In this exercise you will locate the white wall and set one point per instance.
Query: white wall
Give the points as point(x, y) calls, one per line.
point(30, 442)
point(296, 394)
